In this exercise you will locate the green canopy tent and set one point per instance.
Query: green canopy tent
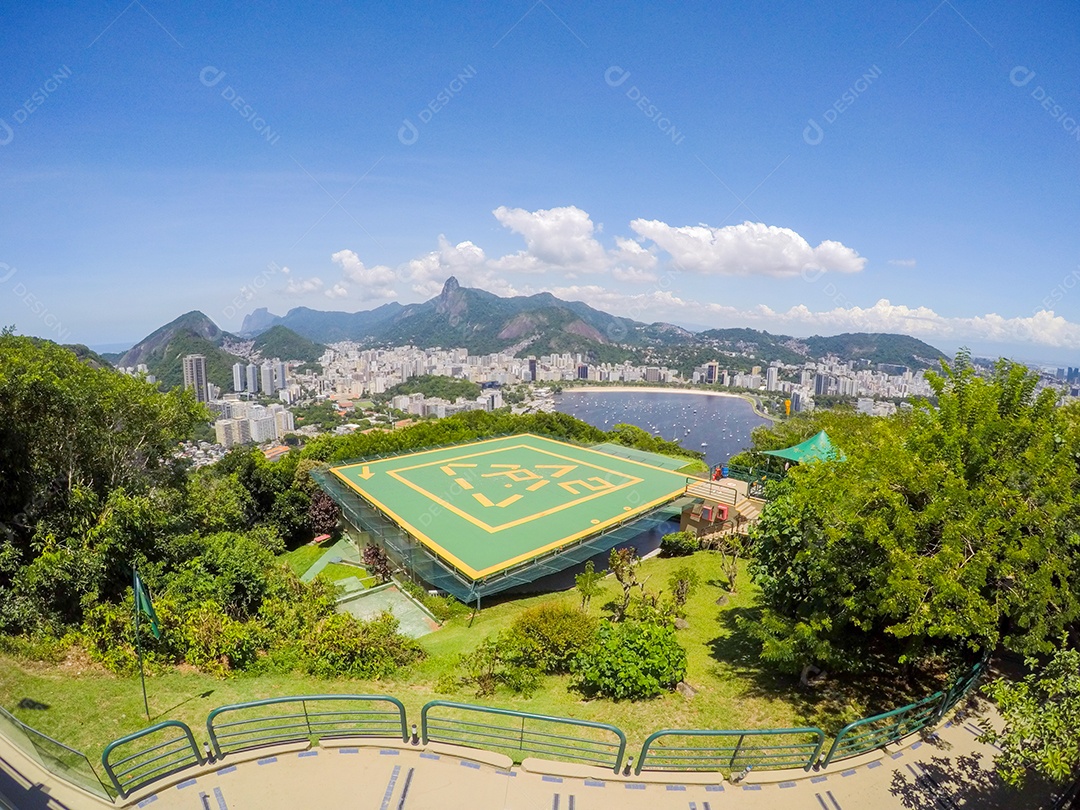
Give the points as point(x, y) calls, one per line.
point(816, 448)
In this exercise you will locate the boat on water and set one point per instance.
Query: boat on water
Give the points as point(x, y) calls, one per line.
point(704, 444)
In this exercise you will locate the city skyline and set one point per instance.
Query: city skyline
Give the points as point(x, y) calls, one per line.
point(904, 168)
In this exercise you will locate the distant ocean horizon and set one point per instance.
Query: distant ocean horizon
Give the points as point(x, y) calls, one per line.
point(714, 424)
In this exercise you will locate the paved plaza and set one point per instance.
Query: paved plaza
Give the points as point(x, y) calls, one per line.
point(950, 770)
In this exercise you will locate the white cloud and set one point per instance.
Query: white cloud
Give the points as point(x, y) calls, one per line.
point(554, 238)
point(1044, 328)
point(374, 282)
point(749, 249)
point(465, 261)
point(632, 275)
point(902, 262)
point(339, 290)
point(302, 286)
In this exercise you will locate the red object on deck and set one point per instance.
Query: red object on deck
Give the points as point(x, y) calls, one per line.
point(321, 537)
point(716, 474)
point(722, 508)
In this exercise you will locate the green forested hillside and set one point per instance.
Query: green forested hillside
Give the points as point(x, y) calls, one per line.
point(281, 342)
point(435, 385)
point(168, 364)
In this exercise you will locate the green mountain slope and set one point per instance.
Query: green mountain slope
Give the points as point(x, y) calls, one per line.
point(164, 349)
point(900, 350)
point(282, 342)
point(543, 324)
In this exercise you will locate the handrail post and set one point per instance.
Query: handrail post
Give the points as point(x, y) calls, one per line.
point(735, 753)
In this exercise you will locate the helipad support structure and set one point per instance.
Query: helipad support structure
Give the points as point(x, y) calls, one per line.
point(474, 519)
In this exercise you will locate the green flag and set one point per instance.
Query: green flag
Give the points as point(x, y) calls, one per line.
point(145, 606)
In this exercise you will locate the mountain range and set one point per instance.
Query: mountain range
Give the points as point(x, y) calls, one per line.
point(484, 323)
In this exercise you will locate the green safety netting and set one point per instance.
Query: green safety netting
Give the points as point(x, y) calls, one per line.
point(816, 448)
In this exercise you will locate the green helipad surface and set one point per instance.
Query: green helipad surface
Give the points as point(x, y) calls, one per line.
point(489, 505)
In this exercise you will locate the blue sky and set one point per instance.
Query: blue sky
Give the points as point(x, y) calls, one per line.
point(803, 168)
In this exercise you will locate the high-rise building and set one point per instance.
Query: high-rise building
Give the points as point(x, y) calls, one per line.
point(532, 369)
point(223, 430)
point(238, 377)
point(279, 375)
point(283, 422)
point(772, 378)
point(195, 376)
point(262, 425)
point(252, 378)
point(266, 378)
point(712, 372)
point(821, 385)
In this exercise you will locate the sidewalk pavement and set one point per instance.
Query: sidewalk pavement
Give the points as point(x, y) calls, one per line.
point(951, 769)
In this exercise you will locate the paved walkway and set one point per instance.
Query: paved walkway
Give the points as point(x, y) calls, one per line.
point(949, 771)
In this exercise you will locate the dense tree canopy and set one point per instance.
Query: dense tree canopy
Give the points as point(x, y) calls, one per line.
point(947, 528)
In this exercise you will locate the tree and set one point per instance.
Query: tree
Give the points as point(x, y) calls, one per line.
point(623, 563)
point(1042, 720)
point(588, 584)
point(290, 516)
point(946, 529)
point(731, 546)
point(323, 514)
point(683, 583)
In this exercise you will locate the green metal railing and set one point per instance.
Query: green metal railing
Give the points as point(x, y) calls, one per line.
point(313, 717)
point(523, 733)
point(678, 750)
point(869, 734)
point(755, 477)
point(55, 757)
point(146, 765)
point(742, 473)
point(962, 685)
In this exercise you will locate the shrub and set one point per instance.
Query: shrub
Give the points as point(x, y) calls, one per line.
point(442, 608)
point(679, 544)
point(630, 660)
point(217, 643)
point(549, 635)
point(377, 563)
point(498, 661)
point(342, 646)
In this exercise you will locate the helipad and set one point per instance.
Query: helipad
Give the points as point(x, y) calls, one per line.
point(489, 505)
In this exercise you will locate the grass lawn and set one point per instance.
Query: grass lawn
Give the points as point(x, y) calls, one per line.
point(88, 707)
point(336, 571)
point(302, 558)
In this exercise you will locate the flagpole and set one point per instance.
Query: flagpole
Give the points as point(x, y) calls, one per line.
point(138, 647)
